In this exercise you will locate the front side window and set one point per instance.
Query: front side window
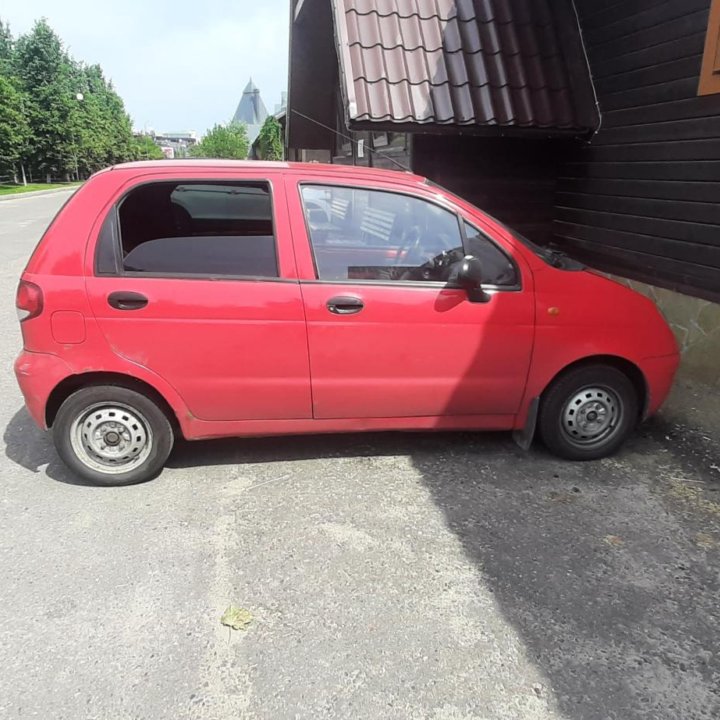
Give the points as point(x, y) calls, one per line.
point(359, 234)
point(198, 228)
point(497, 267)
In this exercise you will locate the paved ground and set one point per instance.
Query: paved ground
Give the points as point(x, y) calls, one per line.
point(446, 577)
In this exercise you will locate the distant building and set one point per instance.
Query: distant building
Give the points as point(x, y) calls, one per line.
point(282, 105)
point(173, 144)
point(251, 110)
point(178, 143)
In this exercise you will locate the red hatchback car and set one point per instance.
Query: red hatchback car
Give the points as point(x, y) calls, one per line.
point(205, 299)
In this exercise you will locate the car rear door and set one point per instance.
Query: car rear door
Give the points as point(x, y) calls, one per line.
point(388, 334)
point(194, 278)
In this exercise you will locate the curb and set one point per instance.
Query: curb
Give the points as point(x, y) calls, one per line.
point(35, 193)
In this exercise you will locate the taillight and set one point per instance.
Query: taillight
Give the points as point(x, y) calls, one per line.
point(29, 300)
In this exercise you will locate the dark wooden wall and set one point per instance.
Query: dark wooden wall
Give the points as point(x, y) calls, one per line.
point(643, 199)
point(511, 178)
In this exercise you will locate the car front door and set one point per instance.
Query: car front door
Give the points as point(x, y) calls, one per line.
point(388, 334)
point(195, 280)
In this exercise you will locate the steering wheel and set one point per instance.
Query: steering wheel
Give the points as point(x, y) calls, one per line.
point(437, 269)
point(409, 244)
point(417, 252)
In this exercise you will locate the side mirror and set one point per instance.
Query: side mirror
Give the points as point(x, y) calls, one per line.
point(470, 278)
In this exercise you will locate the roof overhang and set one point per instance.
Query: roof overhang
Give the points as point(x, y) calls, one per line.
point(441, 66)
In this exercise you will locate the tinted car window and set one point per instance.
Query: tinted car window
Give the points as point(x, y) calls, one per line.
point(200, 228)
point(359, 234)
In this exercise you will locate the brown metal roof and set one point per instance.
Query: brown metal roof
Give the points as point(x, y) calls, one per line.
point(463, 63)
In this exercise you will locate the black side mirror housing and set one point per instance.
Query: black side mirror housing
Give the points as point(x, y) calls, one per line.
point(470, 277)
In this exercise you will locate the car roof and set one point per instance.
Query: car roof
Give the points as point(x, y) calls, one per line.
point(325, 168)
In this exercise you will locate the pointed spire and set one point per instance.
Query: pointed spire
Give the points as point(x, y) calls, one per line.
point(251, 110)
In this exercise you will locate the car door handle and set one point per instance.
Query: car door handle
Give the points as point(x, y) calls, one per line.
point(345, 305)
point(127, 300)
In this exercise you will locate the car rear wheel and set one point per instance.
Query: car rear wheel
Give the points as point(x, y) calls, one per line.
point(588, 412)
point(111, 435)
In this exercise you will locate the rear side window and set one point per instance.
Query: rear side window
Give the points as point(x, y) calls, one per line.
point(197, 228)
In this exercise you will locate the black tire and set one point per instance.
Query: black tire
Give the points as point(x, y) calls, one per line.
point(126, 429)
point(588, 412)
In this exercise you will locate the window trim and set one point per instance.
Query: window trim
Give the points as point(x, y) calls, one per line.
point(117, 236)
point(460, 218)
point(709, 83)
point(112, 219)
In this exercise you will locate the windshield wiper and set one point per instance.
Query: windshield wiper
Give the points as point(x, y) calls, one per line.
point(555, 257)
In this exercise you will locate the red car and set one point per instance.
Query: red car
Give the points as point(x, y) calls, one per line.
point(206, 299)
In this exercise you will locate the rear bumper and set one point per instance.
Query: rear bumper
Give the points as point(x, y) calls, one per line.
point(659, 373)
point(38, 374)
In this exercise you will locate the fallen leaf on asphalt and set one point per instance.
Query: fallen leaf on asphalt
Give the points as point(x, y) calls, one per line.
point(561, 497)
point(614, 540)
point(236, 618)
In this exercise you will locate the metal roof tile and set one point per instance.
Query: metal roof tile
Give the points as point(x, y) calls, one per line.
point(465, 9)
point(469, 36)
point(461, 62)
point(456, 69)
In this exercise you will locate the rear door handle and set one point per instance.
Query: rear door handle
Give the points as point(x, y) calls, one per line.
point(345, 305)
point(127, 300)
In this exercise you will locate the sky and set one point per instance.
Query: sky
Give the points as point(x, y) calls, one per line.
point(178, 65)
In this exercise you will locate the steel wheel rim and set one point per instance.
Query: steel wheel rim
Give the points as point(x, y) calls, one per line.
point(592, 416)
point(111, 438)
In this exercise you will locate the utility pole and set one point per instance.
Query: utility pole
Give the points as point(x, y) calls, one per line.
point(79, 97)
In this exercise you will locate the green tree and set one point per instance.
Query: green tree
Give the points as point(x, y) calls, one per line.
point(224, 141)
point(77, 122)
point(7, 47)
point(14, 129)
point(45, 72)
point(269, 144)
point(59, 117)
point(102, 127)
point(143, 148)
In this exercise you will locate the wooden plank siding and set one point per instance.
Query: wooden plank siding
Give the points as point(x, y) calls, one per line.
point(643, 198)
point(513, 179)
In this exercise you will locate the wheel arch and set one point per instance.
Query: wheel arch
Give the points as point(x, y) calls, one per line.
point(525, 434)
point(70, 384)
point(627, 367)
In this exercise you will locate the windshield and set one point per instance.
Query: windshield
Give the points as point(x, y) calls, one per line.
point(550, 256)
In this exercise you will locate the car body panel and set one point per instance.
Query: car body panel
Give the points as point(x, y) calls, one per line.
point(416, 351)
point(417, 348)
point(234, 349)
point(583, 315)
point(244, 356)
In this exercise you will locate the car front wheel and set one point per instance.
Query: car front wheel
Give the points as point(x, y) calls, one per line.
point(588, 412)
point(111, 435)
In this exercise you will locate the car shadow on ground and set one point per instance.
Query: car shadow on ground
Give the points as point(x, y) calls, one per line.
point(607, 571)
point(31, 448)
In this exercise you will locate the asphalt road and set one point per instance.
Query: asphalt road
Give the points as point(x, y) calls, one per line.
point(442, 577)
